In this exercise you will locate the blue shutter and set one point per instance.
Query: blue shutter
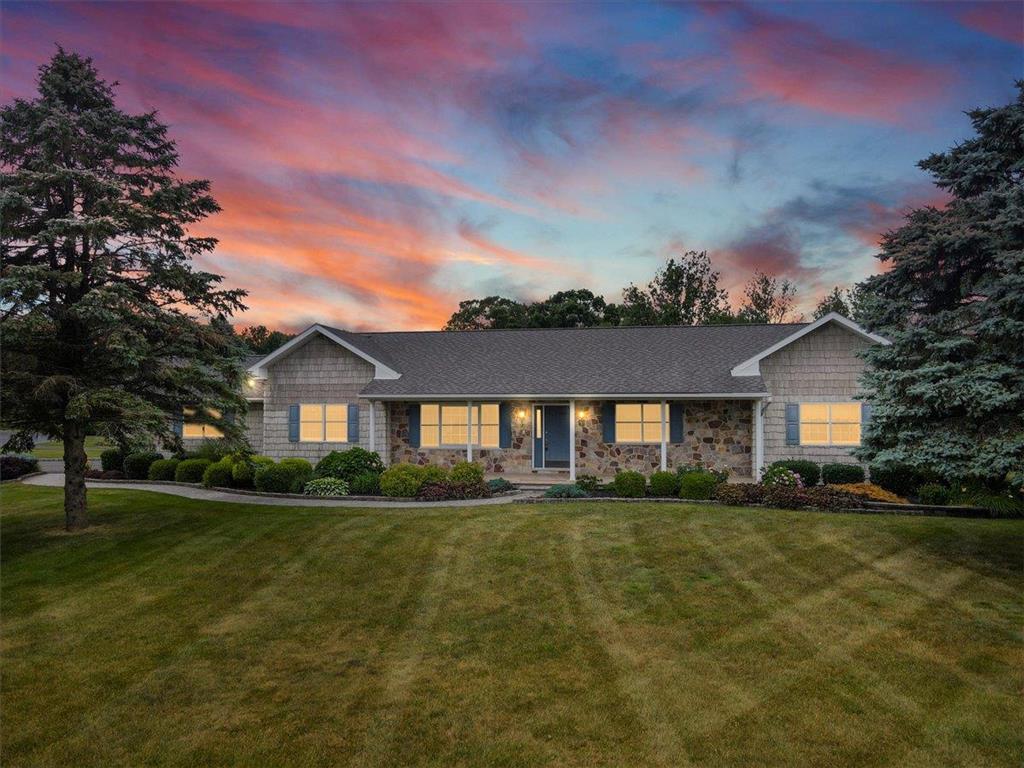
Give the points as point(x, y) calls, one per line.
point(229, 417)
point(178, 423)
point(865, 414)
point(676, 430)
point(505, 425)
point(414, 425)
point(293, 423)
point(792, 424)
point(608, 421)
point(353, 422)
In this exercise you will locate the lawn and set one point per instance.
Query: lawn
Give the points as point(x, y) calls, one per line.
point(54, 449)
point(181, 632)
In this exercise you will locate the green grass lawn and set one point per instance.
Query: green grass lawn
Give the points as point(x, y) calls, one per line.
point(180, 632)
point(54, 449)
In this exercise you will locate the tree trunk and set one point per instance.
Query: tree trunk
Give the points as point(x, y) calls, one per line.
point(75, 462)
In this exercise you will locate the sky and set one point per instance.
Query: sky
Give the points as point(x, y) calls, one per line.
point(378, 163)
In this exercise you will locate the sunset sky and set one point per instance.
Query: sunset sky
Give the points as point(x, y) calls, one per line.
point(377, 163)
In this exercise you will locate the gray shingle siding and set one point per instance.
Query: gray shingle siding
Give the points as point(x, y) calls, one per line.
point(821, 367)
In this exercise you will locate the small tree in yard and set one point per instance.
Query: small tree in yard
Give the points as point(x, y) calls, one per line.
point(949, 391)
point(106, 323)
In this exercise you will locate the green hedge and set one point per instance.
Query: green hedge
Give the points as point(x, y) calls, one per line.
point(345, 465)
point(163, 469)
point(243, 471)
point(191, 470)
point(403, 480)
point(629, 485)
point(698, 485)
point(218, 474)
point(287, 476)
point(664, 484)
point(136, 465)
point(365, 484)
point(809, 472)
point(112, 459)
point(467, 472)
point(838, 474)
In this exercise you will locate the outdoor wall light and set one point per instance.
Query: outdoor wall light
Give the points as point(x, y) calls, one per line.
point(250, 382)
point(582, 413)
point(521, 414)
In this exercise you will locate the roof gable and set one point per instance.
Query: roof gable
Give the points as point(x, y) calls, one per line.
point(343, 338)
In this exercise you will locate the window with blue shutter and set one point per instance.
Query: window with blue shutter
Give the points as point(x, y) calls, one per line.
point(293, 423)
point(414, 425)
point(676, 428)
point(505, 425)
point(792, 424)
point(353, 422)
point(608, 421)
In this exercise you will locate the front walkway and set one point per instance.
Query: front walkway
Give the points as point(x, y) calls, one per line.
point(56, 480)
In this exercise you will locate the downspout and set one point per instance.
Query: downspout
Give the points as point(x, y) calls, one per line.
point(664, 439)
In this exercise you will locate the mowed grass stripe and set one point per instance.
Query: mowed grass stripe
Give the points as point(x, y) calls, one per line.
point(179, 632)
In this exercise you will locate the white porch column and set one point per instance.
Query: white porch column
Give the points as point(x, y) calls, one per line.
point(758, 452)
point(469, 431)
point(664, 437)
point(572, 441)
point(373, 428)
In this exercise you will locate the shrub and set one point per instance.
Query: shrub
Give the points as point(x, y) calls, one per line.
point(326, 486)
point(827, 497)
point(345, 465)
point(403, 480)
point(14, 465)
point(162, 469)
point(287, 476)
point(776, 475)
point(588, 483)
point(808, 471)
point(698, 485)
point(94, 474)
point(837, 474)
point(467, 472)
point(720, 474)
point(136, 465)
point(501, 485)
point(302, 470)
point(871, 492)
point(365, 484)
point(112, 458)
point(218, 474)
point(111, 474)
point(567, 491)
point(432, 473)
point(191, 470)
point(933, 493)
point(664, 484)
point(739, 494)
point(901, 479)
point(243, 471)
point(629, 485)
point(447, 490)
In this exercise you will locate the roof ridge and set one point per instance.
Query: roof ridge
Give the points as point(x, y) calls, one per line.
point(585, 328)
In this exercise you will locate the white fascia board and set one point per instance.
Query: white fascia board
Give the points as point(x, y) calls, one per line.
point(575, 395)
point(381, 371)
point(752, 367)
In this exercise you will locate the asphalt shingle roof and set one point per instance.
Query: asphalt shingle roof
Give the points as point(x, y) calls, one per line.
point(569, 361)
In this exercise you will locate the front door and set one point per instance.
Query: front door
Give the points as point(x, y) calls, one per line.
point(551, 436)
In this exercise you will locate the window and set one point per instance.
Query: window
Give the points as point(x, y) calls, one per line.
point(638, 422)
point(197, 429)
point(830, 423)
point(323, 422)
point(448, 424)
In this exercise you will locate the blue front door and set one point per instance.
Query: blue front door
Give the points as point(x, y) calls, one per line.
point(556, 436)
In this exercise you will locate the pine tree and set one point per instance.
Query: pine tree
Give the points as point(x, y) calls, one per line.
point(106, 323)
point(948, 393)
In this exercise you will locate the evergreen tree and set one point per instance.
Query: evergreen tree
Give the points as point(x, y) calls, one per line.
point(106, 323)
point(949, 391)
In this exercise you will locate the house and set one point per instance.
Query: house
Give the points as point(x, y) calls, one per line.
point(569, 400)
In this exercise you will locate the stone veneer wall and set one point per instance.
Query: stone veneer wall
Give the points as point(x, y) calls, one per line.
point(518, 458)
point(318, 372)
point(821, 367)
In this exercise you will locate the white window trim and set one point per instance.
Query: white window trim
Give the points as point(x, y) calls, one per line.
point(828, 423)
point(323, 423)
point(476, 424)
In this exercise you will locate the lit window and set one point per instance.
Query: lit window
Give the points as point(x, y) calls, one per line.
point(830, 423)
point(323, 422)
point(638, 422)
point(197, 429)
point(448, 424)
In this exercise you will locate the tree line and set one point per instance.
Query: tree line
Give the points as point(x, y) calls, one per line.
point(686, 291)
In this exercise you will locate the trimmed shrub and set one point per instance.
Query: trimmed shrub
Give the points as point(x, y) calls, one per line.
point(720, 474)
point(448, 490)
point(326, 486)
point(809, 472)
point(432, 473)
point(136, 465)
point(698, 485)
point(837, 474)
point(302, 470)
point(345, 465)
point(365, 484)
point(111, 474)
point(403, 480)
point(588, 483)
point(243, 471)
point(933, 493)
point(901, 479)
point(501, 485)
point(780, 476)
point(287, 476)
point(14, 465)
point(739, 494)
point(826, 497)
point(467, 472)
point(191, 470)
point(629, 485)
point(664, 484)
point(218, 474)
point(566, 491)
point(162, 469)
point(112, 458)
